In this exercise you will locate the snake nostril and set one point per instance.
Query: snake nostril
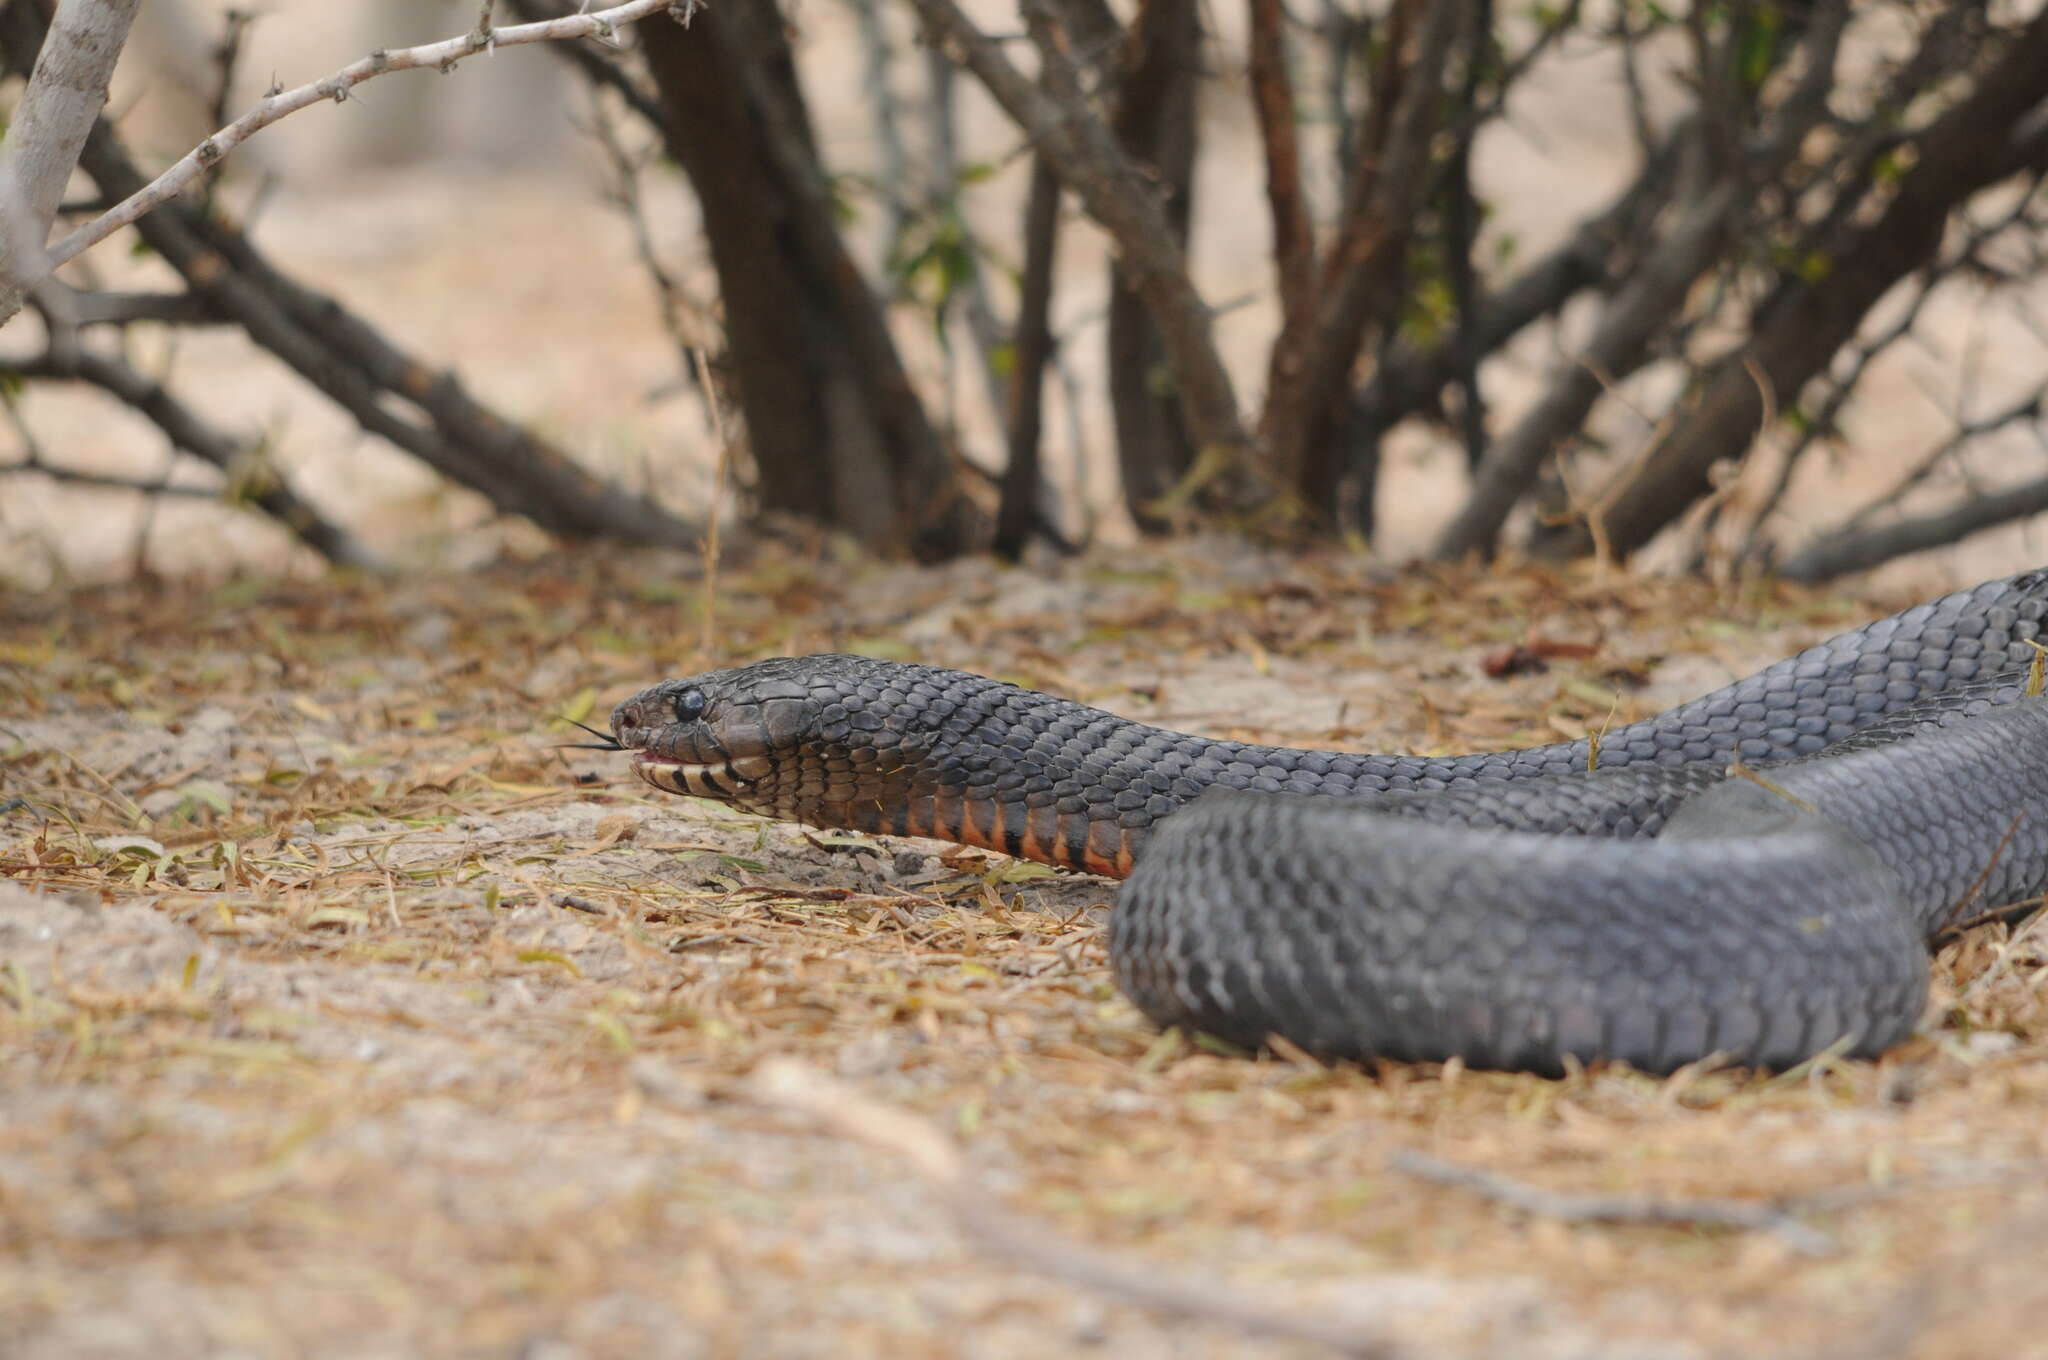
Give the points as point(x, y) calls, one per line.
point(626, 720)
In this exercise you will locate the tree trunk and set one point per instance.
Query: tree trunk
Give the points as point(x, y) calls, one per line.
point(837, 433)
point(1031, 345)
point(1155, 124)
point(1309, 380)
point(57, 110)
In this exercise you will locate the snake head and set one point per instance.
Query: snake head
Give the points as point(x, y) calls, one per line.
point(813, 738)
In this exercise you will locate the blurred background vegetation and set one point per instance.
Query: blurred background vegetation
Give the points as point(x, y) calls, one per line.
point(1730, 286)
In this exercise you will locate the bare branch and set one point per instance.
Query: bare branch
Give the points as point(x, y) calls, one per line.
point(1619, 344)
point(2028, 408)
point(1082, 152)
point(1861, 549)
point(1822, 424)
point(189, 433)
point(1798, 329)
point(64, 95)
point(689, 320)
point(83, 307)
point(389, 392)
point(441, 56)
point(100, 481)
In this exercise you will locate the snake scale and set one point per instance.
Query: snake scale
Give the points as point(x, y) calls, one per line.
point(1514, 909)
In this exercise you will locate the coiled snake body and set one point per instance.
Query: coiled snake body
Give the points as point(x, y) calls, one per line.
point(1511, 908)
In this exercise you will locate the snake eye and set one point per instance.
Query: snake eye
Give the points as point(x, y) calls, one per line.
point(690, 705)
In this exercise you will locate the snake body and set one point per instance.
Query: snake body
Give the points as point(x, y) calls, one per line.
point(1510, 908)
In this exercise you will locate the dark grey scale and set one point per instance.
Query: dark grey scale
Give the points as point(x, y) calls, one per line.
point(1919, 764)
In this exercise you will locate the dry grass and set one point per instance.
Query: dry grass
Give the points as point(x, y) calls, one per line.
point(397, 1031)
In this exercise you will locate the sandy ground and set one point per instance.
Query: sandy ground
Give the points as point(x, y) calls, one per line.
point(340, 1015)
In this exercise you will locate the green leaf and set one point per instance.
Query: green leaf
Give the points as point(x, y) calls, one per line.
point(1022, 871)
point(210, 795)
point(612, 1028)
point(554, 956)
point(1757, 44)
point(131, 847)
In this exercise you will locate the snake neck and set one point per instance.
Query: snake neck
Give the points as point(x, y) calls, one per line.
point(1048, 779)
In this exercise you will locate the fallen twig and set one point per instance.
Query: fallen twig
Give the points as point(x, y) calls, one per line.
point(985, 1220)
point(1574, 1207)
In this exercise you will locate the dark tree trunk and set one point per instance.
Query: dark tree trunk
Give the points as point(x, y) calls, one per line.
point(1155, 123)
point(1309, 379)
point(837, 433)
point(1018, 514)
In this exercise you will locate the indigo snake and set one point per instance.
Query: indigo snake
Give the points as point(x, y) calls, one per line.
point(1754, 874)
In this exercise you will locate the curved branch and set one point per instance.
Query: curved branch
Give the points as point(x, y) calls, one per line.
point(1858, 551)
point(192, 435)
point(386, 389)
point(440, 55)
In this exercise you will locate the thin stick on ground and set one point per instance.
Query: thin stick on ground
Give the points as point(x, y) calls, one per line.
point(1573, 1207)
point(986, 1221)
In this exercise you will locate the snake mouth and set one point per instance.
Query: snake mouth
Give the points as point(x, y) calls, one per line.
point(726, 780)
